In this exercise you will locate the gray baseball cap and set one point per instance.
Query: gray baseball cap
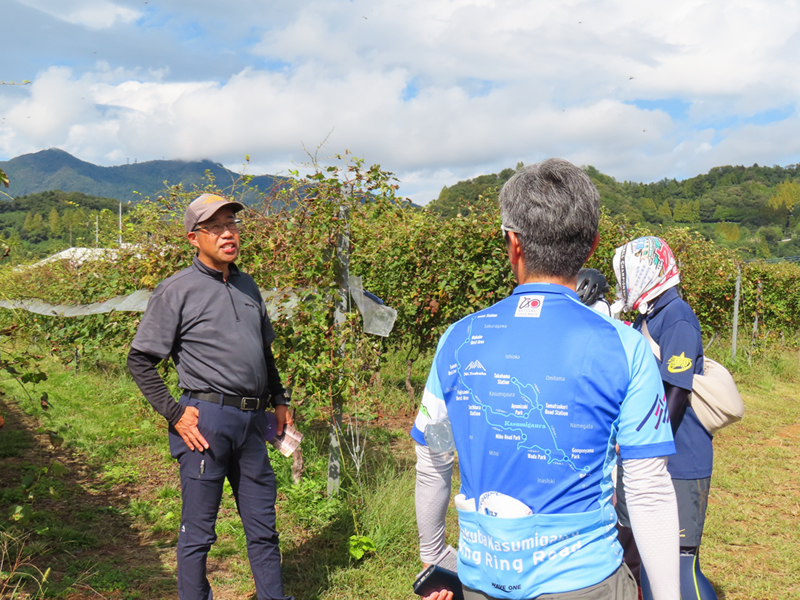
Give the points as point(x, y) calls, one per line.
point(203, 208)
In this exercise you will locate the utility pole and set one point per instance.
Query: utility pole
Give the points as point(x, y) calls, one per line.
point(120, 223)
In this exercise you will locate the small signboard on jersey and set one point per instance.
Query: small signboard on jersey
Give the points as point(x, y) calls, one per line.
point(529, 306)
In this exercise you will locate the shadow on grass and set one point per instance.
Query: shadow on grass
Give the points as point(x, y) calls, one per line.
point(313, 565)
point(308, 567)
point(71, 521)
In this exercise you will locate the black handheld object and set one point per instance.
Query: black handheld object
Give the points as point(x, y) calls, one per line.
point(435, 578)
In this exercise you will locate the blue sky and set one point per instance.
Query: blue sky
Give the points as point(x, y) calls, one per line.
point(435, 90)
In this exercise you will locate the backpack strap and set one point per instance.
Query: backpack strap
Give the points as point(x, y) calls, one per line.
point(655, 347)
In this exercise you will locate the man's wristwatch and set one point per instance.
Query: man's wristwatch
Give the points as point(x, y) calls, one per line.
point(283, 399)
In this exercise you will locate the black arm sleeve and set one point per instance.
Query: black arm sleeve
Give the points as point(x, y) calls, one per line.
point(677, 401)
point(273, 377)
point(143, 370)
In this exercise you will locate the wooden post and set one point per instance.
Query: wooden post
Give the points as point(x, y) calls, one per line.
point(297, 461)
point(339, 317)
point(736, 312)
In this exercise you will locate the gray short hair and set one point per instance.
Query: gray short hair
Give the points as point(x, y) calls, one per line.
point(554, 208)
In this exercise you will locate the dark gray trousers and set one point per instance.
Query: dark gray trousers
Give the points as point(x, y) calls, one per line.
point(237, 452)
point(620, 585)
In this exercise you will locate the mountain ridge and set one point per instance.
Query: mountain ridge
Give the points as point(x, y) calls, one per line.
point(56, 169)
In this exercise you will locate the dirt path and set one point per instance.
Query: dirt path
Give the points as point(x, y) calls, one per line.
point(80, 526)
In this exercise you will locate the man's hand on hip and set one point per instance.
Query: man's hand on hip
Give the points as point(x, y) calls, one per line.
point(283, 417)
point(187, 428)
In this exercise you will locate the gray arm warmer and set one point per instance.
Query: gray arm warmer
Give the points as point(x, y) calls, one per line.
point(654, 519)
point(432, 495)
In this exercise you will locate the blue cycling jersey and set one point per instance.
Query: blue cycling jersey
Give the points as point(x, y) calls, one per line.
point(674, 327)
point(539, 389)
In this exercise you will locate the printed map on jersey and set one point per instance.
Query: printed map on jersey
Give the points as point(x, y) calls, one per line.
point(515, 407)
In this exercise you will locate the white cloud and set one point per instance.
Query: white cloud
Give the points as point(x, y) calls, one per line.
point(93, 14)
point(56, 103)
point(435, 91)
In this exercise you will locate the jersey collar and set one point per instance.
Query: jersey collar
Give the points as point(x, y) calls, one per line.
point(544, 288)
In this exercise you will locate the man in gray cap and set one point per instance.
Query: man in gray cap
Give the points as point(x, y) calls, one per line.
point(210, 318)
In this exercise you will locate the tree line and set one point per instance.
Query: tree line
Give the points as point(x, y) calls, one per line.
point(39, 224)
point(746, 209)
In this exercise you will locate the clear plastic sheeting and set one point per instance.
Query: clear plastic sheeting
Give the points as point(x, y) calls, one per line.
point(78, 256)
point(378, 319)
point(135, 302)
point(284, 301)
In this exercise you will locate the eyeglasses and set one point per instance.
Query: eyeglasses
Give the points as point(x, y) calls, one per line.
point(218, 228)
point(506, 230)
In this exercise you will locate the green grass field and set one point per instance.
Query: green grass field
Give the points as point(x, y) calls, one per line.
point(88, 490)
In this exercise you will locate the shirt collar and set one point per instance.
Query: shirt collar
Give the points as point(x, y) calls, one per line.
point(546, 288)
point(664, 299)
point(233, 270)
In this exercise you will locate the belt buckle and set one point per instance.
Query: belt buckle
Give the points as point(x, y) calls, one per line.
point(245, 403)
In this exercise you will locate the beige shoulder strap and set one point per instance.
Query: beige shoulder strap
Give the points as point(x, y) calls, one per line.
point(653, 345)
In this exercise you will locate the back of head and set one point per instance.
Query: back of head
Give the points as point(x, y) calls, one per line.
point(554, 208)
point(645, 269)
point(591, 286)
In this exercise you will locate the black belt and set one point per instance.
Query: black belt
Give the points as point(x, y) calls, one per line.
point(240, 402)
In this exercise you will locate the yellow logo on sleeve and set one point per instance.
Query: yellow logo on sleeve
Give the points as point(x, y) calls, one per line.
point(679, 364)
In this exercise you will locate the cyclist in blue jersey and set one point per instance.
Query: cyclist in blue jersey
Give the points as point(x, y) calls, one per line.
point(647, 276)
point(534, 394)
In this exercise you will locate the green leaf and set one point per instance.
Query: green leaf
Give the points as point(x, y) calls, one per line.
point(360, 545)
point(20, 513)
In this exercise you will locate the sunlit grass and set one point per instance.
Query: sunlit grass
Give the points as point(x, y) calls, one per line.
point(749, 550)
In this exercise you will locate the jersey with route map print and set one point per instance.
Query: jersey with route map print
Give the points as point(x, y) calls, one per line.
point(538, 390)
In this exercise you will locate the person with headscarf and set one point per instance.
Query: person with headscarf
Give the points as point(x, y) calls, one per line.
point(647, 278)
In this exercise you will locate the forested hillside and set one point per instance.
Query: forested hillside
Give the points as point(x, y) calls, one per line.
point(44, 223)
point(750, 209)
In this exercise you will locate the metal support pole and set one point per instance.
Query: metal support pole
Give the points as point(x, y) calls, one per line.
point(339, 317)
point(736, 312)
point(755, 325)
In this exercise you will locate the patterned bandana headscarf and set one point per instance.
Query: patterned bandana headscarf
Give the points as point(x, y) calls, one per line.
point(645, 269)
